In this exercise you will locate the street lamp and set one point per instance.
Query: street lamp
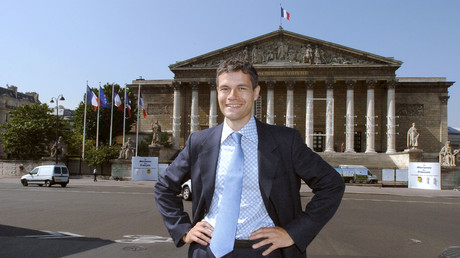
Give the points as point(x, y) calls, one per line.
point(60, 97)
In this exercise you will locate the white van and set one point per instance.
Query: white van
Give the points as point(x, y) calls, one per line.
point(47, 175)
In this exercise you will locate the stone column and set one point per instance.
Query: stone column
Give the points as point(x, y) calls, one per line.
point(270, 102)
point(176, 115)
point(330, 116)
point(350, 118)
point(194, 122)
point(212, 105)
point(370, 118)
point(290, 104)
point(443, 136)
point(391, 117)
point(309, 124)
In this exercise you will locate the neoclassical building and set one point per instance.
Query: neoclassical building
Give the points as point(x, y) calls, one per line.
point(339, 98)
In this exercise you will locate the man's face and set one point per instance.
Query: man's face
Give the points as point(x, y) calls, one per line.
point(236, 97)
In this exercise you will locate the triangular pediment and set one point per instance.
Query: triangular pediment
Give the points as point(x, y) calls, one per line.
point(281, 48)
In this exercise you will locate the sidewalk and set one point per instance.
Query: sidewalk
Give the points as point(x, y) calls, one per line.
point(368, 189)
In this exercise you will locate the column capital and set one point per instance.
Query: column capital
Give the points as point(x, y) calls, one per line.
point(391, 84)
point(310, 83)
point(194, 85)
point(371, 84)
point(290, 84)
point(444, 99)
point(350, 84)
point(176, 85)
point(270, 84)
point(330, 84)
point(212, 85)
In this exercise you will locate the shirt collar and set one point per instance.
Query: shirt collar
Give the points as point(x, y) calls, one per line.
point(249, 131)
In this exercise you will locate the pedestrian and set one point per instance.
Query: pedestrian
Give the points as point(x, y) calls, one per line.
point(95, 174)
point(246, 176)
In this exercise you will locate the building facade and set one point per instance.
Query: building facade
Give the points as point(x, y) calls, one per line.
point(340, 99)
point(10, 98)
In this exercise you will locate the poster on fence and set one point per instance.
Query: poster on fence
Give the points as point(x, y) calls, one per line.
point(424, 175)
point(144, 168)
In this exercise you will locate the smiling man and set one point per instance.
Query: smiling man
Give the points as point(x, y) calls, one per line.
point(246, 180)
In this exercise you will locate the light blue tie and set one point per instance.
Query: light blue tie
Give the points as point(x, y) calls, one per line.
point(223, 236)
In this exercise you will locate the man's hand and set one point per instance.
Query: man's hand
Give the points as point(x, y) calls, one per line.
point(200, 233)
point(276, 236)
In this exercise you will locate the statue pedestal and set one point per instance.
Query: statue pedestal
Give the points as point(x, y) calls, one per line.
point(121, 169)
point(154, 150)
point(415, 155)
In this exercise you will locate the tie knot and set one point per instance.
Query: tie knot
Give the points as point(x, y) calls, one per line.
point(237, 137)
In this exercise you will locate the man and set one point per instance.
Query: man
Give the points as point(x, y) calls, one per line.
point(271, 220)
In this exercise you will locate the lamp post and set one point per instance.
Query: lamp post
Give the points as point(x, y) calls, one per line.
point(60, 97)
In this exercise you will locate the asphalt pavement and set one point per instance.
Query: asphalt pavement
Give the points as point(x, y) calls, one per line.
point(364, 188)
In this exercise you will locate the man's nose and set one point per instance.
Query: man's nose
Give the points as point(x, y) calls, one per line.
point(233, 93)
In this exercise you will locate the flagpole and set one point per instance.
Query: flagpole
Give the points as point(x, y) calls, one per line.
point(84, 122)
point(124, 115)
point(138, 108)
point(281, 17)
point(98, 110)
point(111, 116)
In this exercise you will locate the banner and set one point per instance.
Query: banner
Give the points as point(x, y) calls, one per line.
point(424, 175)
point(144, 168)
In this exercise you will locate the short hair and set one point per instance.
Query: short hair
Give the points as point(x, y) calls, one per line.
point(235, 64)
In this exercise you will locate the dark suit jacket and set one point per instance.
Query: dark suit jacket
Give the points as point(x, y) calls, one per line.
point(284, 159)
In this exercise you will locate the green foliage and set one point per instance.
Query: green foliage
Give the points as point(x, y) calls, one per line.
point(31, 130)
point(97, 157)
point(105, 116)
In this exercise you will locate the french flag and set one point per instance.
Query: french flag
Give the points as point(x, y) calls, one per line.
point(285, 14)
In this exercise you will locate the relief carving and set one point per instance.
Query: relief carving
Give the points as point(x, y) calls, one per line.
point(287, 51)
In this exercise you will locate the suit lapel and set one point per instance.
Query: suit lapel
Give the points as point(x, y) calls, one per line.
point(208, 162)
point(268, 160)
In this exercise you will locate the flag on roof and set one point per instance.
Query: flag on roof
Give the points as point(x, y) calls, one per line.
point(285, 14)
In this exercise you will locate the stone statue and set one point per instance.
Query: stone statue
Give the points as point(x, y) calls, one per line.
point(127, 150)
point(317, 56)
point(446, 156)
point(58, 149)
point(254, 55)
point(156, 137)
point(308, 58)
point(412, 137)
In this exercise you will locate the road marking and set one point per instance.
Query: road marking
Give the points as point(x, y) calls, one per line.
point(400, 201)
point(54, 235)
point(144, 239)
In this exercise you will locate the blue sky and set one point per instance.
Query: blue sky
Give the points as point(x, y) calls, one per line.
point(54, 46)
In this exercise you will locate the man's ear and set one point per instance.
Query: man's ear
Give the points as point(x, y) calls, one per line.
point(256, 92)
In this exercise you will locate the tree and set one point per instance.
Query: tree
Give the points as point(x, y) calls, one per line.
point(31, 131)
point(97, 157)
point(105, 116)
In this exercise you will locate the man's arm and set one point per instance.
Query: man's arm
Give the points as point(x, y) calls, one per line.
point(327, 185)
point(169, 204)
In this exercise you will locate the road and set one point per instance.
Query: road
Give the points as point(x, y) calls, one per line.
point(119, 219)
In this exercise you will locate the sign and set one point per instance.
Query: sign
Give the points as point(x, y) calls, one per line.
point(423, 175)
point(144, 168)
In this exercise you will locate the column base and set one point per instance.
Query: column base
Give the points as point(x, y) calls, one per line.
point(329, 151)
point(371, 152)
point(391, 152)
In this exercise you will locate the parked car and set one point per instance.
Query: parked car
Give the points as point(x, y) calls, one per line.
point(187, 190)
point(47, 175)
point(357, 173)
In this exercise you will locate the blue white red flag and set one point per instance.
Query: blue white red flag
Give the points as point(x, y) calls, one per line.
point(117, 101)
point(141, 103)
point(285, 14)
point(128, 104)
point(91, 98)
